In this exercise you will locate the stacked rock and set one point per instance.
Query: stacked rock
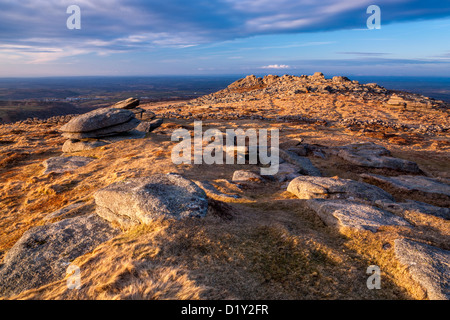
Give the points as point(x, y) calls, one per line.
point(102, 126)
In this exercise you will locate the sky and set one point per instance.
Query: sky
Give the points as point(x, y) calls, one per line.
point(213, 37)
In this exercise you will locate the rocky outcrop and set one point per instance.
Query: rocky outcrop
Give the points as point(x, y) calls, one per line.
point(141, 200)
point(305, 187)
point(43, 253)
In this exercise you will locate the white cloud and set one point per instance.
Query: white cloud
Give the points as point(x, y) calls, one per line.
point(276, 66)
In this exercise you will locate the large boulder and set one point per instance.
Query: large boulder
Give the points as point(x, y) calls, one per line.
point(63, 164)
point(304, 164)
point(98, 119)
point(428, 265)
point(305, 187)
point(43, 253)
point(141, 200)
point(349, 214)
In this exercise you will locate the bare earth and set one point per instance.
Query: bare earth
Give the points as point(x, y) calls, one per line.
point(264, 243)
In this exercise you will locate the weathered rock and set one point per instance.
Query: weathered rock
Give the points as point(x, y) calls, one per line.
point(373, 156)
point(428, 265)
point(61, 212)
point(304, 164)
point(246, 176)
point(43, 253)
point(63, 164)
point(305, 187)
point(414, 206)
point(408, 183)
point(142, 200)
point(149, 126)
point(97, 119)
point(82, 145)
point(350, 214)
point(129, 103)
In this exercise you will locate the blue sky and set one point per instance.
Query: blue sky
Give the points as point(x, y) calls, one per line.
point(206, 37)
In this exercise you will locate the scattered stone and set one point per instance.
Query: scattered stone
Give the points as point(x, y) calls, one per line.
point(142, 200)
point(428, 265)
point(349, 214)
point(63, 164)
point(305, 187)
point(129, 103)
point(82, 145)
point(43, 253)
point(246, 176)
point(409, 183)
point(415, 206)
point(371, 155)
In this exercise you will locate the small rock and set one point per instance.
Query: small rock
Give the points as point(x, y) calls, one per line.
point(246, 176)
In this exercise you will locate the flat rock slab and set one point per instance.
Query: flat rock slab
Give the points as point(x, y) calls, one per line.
point(104, 132)
point(411, 183)
point(415, 206)
point(428, 265)
point(43, 253)
point(305, 187)
point(80, 145)
point(304, 164)
point(141, 200)
point(349, 214)
point(373, 156)
point(98, 119)
point(63, 164)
